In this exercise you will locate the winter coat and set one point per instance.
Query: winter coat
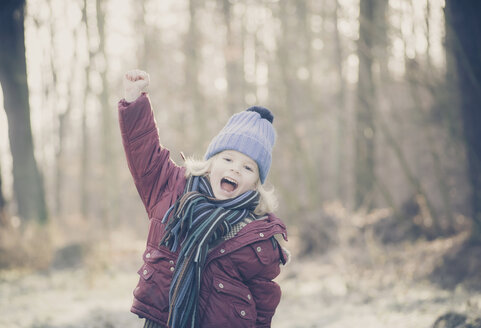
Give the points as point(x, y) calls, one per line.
point(237, 288)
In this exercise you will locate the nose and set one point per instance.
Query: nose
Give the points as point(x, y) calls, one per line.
point(235, 167)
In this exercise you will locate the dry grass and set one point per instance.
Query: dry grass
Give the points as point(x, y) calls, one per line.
point(86, 278)
point(28, 248)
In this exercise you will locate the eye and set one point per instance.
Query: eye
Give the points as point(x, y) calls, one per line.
point(247, 167)
point(227, 159)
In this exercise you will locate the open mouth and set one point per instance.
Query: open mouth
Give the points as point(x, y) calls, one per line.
point(228, 184)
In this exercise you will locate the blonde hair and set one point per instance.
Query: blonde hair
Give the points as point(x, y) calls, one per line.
point(267, 202)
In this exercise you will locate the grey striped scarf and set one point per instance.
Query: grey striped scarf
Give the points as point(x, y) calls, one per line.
point(194, 222)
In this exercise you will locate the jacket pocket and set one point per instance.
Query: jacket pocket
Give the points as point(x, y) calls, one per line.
point(155, 277)
point(235, 290)
point(265, 252)
point(148, 290)
point(155, 255)
point(230, 304)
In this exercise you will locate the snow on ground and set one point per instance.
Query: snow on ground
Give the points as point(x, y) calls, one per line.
point(365, 287)
point(321, 296)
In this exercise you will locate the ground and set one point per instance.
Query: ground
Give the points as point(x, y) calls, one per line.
point(365, 284)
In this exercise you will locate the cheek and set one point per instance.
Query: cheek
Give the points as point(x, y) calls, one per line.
point(214, 171)
point(213, 178)
point(252, 182)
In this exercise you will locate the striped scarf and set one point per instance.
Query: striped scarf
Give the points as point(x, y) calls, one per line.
point(194, 222)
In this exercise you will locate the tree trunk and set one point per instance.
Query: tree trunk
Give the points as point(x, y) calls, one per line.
point(85, 152)
point(63, 118)
point(463, 18)
point(340, 155)
point(310, 176)
point(144, 42)
point(365, 131)
point(192, 48)
point(109, 187)
point(3, 207)
point(234, 58)
point(28, 185)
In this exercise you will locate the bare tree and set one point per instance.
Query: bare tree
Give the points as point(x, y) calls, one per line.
point(365, 131)
point(109, 167)
point(463, 19)
point(28, 185)
point(3, 207)
point(192, 67)
point(84, 160)
point(292, 98)
point(63, 115)
point(340, 155)
point(234, 57)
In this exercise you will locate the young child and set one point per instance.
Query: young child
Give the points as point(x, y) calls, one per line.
point(211, 250)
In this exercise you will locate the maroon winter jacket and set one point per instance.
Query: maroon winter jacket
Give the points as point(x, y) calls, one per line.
point(237, 288)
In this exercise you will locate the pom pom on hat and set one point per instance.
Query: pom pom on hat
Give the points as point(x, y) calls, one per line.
point(251, 133)
point(263, 112)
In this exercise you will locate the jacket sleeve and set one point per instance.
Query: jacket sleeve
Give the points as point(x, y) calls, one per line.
point(149, 163)
point(258, 273)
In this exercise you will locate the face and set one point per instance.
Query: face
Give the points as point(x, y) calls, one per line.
point(232, 173)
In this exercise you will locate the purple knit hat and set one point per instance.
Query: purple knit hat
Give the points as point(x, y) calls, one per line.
point(251, 133)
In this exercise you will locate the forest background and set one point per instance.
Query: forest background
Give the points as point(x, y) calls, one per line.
point(377, 163)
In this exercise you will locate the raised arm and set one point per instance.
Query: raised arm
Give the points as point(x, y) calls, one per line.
point(148, 161)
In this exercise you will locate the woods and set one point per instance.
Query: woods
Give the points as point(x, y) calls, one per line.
point(376, 107)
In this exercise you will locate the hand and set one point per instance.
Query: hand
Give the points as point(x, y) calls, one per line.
point(135, 82)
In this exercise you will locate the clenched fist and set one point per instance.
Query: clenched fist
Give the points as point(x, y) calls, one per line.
point(135, 82)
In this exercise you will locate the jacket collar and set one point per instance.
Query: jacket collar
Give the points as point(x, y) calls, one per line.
point(261, 229)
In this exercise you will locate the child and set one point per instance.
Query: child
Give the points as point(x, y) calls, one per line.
point(211, 254)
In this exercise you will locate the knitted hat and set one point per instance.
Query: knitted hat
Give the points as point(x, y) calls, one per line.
point(251, 133)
